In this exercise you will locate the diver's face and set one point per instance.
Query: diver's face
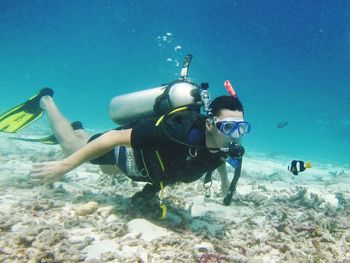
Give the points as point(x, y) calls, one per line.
point(219, 138)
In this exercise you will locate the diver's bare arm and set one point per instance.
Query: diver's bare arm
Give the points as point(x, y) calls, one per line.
point(52, 171)
point(98, 147)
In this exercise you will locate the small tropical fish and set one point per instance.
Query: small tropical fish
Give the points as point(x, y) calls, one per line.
point(282, 124)
point(298, 166)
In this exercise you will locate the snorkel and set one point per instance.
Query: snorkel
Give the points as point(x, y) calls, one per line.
point(236, 152)
point(230, 89)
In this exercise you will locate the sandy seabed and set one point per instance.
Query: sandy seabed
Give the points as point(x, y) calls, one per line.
point(88, 216)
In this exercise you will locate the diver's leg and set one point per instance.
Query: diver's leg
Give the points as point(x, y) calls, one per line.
point(225, 183)
point(69, 140)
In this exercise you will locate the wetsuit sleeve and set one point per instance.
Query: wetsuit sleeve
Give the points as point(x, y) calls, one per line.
point(145, 135)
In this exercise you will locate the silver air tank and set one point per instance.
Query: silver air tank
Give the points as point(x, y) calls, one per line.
point(132, 106)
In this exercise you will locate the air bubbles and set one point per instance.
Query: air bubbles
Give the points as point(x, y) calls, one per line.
point(173, 50)
point(165, 39)
point(177, 48)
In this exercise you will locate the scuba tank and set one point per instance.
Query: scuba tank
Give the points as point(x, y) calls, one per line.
point(154, 102)
point(157, 101)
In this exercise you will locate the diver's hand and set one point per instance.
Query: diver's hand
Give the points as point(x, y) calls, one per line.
point(48, 172)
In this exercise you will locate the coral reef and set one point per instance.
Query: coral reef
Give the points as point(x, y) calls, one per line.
point(89, 217)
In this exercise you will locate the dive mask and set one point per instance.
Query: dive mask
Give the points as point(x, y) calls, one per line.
point(233, 129)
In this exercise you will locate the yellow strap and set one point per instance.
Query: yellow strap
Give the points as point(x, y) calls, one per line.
point(162, 206)
point(178, 109)
point(159, 120)
point(173, 111)
point(157, 124)
point(164, 211)
point(160, 161)
point(161, 192)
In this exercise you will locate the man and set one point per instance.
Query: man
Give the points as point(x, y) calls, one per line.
point(182, 149)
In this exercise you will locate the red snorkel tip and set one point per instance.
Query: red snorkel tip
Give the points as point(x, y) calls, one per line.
point(230, 89)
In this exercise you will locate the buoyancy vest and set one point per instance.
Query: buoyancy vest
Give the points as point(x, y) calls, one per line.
point(179, 160)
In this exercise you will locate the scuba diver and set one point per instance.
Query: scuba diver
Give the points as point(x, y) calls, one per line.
point(164, 137)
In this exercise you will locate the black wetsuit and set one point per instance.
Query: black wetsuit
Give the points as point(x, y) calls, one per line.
point(179, 163)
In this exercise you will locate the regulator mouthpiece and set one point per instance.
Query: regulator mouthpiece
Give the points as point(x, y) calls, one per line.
point(234, 150)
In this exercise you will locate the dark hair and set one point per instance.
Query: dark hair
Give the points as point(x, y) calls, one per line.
point(225, 102)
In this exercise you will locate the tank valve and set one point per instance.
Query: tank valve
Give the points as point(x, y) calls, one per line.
point(205, 96)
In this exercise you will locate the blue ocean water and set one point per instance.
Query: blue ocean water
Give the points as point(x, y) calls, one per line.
point(288, 60)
